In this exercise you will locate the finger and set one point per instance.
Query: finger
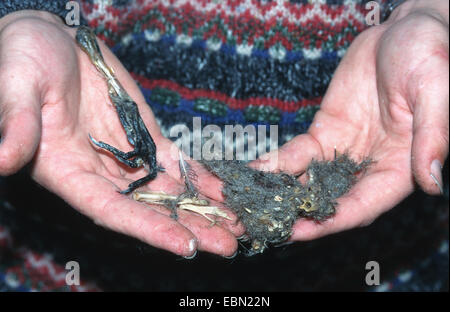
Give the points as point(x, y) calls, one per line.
point(208, 184)
point(20, 120)
point(100, 200)
point(218, 237)
point(373, 195)
point(293, 157)
point(212, 237)
point(430, 124)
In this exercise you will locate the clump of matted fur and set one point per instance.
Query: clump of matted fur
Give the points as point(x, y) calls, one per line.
point(268, 204)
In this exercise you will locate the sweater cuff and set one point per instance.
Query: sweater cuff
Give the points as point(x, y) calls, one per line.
point(71, 16)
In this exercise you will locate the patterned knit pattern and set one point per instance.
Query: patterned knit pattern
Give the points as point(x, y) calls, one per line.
point(22, 269)
point(230, 62)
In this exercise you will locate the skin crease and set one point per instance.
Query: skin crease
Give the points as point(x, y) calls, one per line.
point(388, 97)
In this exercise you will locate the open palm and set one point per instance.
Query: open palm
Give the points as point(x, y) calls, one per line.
point(388, 101)
point(52, 98)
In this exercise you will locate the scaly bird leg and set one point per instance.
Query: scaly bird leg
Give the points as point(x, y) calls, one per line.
point(137, 134)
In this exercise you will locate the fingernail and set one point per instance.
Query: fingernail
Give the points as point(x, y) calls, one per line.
point(284, 244)
point(191, 257)
point(192, 246)
point(243, 237)
point(436, 174)
point(232, 256)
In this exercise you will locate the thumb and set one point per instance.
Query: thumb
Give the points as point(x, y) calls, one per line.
point(20, 121)
point(431, 128)
point(293, 157)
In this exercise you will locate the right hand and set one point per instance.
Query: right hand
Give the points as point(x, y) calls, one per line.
point(51, 98)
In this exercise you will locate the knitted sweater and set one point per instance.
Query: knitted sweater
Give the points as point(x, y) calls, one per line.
point(259, 62)
point(230, 62)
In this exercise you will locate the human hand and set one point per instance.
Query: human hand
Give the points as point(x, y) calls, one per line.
point(51, 98)
point(388, 100)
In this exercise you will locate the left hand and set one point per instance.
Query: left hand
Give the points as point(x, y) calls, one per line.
point(388, 100)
